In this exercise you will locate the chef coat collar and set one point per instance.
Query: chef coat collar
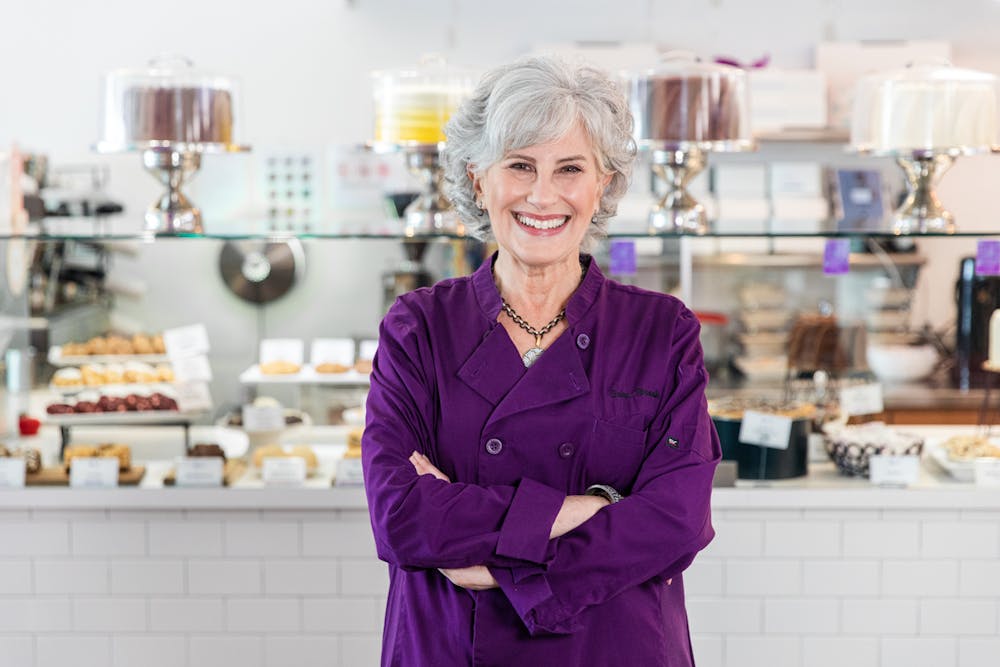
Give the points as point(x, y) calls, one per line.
point(579, 303)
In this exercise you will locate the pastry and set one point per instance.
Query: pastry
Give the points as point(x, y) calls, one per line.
point(78, 452)
point(121, 452)
point(158, 345)
point(354, 444)
point(32, 459)
point(93, 375)
point(142, 344)
point(277, 451)
point(164, 373)
point(68, 377)
point(207, 449)
point(332, 367)
point(139, 373)
point(970, 447)
point(279, 368)
point(363, 366)
point(114, 373)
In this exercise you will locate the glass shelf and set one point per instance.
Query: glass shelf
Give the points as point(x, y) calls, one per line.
point(107, 231)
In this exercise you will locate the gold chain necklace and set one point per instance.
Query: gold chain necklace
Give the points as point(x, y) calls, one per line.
point(531, 355)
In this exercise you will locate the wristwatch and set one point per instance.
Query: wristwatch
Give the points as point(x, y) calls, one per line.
point(604, 491)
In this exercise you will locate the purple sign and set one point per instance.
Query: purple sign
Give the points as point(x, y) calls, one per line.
point(622, 258)
point(837, 256)
point(988, 258)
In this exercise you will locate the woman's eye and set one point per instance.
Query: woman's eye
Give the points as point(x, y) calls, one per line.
point(572, 169)
point(520, 166)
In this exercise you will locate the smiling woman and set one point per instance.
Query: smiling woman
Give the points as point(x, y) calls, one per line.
point(538, 453)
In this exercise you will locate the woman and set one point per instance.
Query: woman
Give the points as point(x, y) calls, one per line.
point(538, 456)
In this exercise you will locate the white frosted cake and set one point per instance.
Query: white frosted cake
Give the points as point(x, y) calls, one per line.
point(925, 108)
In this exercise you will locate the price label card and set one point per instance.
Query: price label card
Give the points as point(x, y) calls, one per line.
point(94, 473)
point(837, 256)
point(193, 396)
point(263, 418)
point(284, 471)
point(759, 428)
point(199, 471)
point(888, 470)
point(622, 256)
point(987, 472)
point(282, 349)
point(988, 257)
point(12, 473)
point(192, 369)
point(367, 349)
point(349, 473)
point(332, 351)
point(186, 341)
point(864, 399)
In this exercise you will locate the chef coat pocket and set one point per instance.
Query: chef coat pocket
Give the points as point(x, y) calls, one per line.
point(614, 454)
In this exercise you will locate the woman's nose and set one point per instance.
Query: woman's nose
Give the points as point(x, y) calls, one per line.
point(543, 192)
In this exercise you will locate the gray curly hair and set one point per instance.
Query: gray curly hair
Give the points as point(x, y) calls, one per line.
point(531, 101)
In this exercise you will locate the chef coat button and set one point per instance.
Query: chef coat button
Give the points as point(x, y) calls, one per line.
point(494, 446)
point(583, 341)
point(566, 450)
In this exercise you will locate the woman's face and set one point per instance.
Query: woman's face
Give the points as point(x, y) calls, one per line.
point(541, 198)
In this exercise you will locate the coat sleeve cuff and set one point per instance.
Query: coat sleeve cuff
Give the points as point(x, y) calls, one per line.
point(529, 593)
point(524, 534)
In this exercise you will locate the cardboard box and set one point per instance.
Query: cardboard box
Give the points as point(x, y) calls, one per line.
point(781, 99)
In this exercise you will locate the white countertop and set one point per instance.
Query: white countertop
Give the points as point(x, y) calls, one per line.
point(822, 488)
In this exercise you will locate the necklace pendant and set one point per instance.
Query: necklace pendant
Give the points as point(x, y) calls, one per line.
point(531, 356)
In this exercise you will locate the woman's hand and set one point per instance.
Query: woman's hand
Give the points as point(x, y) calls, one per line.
point(423, 466)
point(475, 578)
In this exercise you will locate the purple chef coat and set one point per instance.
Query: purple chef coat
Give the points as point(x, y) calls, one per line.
point(618, 398)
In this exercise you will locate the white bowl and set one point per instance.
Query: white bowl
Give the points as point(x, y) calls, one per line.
point(901, 363)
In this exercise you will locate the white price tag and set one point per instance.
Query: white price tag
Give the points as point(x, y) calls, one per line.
point(349, 473)
point(987, 472)
point(284, 471)
point(367, 349)
point(199, 471)
point(186, 341)
point(94, 473)
point(192, 369)
point(864, 399)
point(332, 351)
point(264, 418)
point(12, 472)
point(281, 349)
point(193, 396)
point(766, 430)
point(890, 470)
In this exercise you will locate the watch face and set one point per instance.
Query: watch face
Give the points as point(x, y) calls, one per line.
point(17, 266)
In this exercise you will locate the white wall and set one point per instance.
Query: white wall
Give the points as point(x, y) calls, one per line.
point(304, 67)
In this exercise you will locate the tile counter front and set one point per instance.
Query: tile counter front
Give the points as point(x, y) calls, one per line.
point(813, 572)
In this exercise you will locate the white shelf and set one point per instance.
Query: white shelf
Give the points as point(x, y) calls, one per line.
point(307, 375)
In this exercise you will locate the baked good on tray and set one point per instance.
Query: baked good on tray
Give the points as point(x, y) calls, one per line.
point(279, 367)
point(278, 451)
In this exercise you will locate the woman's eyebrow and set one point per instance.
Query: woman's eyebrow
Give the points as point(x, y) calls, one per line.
point(528, 158)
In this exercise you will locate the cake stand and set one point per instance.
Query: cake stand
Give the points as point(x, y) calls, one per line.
point(173, 164)
point(430, 213)
point(676, 165)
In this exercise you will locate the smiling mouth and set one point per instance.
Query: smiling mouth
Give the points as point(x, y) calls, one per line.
point(549, 222)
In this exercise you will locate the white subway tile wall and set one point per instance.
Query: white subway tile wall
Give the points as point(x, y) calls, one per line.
point(802, 588)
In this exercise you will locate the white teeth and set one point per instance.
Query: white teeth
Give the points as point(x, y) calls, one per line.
point(541, 224)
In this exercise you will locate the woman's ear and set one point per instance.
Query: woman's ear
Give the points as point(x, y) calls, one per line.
point(477, 187)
